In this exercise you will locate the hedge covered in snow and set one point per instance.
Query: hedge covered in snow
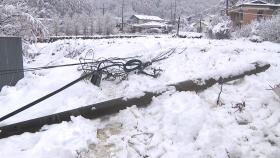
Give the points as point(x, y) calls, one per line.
point(267, 29)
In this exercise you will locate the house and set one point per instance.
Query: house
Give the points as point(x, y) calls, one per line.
point(245, 13)
point(148, 24)
point(140, 19)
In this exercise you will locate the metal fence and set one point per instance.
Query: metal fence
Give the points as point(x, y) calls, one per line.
point(10, 58)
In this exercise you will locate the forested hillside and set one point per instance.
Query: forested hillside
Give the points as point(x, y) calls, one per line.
point(30, 18)
point(74, 17)
point(163, 8)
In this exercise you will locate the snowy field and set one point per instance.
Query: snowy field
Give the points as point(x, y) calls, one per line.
point(175, 124)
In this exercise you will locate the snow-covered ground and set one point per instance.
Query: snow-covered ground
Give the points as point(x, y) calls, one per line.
point(175, 124)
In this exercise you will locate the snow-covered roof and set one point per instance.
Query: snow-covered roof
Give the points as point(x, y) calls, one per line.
point(258, 3)
point(148, 17)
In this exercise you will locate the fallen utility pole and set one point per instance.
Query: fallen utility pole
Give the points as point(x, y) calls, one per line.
point(115, 105)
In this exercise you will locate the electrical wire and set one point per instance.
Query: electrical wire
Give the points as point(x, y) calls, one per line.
point(119, 68)
point(13, 71)
point(122, 66)
point(42, 98)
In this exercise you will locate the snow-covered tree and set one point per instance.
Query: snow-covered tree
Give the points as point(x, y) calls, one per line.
point(15, 21)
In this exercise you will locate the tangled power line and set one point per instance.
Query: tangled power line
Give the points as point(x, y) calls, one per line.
point(100, 69)
point(111, 69)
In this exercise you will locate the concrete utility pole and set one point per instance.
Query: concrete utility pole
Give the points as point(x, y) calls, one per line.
point(178, 29)
point(171, 16)
point(175, 9)
point(103, 9)
point(122, 16)
point(200, 26)
point(227, 7)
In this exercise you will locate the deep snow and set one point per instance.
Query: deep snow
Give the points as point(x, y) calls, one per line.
point(176, 124)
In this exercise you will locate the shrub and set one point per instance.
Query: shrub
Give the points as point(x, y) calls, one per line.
point(220, 28)
point(245, 31)
point(269, 29)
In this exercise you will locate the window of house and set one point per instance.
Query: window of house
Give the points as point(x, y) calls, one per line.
point(240, 15)
point(259, 15)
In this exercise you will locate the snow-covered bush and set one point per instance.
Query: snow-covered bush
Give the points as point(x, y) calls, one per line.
point(256, 39)
point(269, 29)
point(220, 28)
point(153, 31)
point(244, 31)
point(71, 49)
point(266, 29)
